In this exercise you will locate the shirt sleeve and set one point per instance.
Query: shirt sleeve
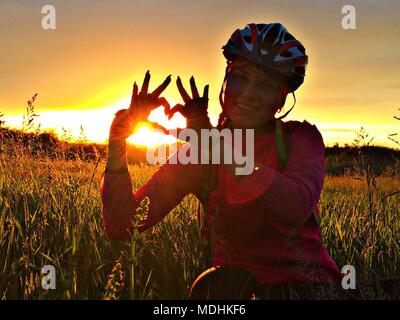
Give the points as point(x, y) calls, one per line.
point(292, 195)
point(165, 189)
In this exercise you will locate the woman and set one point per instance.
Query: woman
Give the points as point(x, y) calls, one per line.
point(262, 228)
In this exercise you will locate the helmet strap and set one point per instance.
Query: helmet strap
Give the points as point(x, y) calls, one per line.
point(294, 103)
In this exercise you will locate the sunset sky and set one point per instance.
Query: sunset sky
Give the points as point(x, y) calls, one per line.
point(83, 70)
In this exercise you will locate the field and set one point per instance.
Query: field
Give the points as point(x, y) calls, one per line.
point(50, 214)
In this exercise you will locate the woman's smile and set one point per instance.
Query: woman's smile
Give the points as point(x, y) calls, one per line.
point(248, 107)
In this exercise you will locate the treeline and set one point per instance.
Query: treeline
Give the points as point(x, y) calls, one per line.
point(48, 144)
point(340, 160)
point(349, 159)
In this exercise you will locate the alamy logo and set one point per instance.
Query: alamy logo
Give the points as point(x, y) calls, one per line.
point(349, 20)
point(49, 20)
point(49, 277)
point(349, 278)
point(212, 147)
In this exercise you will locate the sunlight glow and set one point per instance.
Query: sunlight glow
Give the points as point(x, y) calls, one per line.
point(96, 125)
point(144, 135)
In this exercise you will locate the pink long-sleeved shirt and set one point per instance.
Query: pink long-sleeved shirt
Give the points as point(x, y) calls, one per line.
point(251, 221)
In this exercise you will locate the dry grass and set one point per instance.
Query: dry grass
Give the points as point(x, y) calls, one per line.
point(50, 214)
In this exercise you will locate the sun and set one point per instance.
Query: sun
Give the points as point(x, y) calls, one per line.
point(145, 136)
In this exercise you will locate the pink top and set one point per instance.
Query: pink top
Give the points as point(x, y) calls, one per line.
point(250, 219)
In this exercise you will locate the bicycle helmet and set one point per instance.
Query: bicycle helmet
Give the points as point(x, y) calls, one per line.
point(272, 47)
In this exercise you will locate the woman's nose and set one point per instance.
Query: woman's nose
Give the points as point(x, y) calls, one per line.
point(249, 91)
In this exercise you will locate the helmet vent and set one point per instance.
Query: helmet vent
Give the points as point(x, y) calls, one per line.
point(286, 54)
point(301, 49)
point(247, 39)
point(288, 37)
point(261, 26)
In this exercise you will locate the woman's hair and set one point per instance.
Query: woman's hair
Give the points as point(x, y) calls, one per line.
point(223, 117)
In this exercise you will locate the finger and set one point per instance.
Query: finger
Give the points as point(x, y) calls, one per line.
point(155, 125)
point(205, 92)
point(161, 87)
point(182, 91)
point(135, 90)
point(134, 94)
point(195, 93)
point(177, 108)
point(162, 101)
point(146, 81)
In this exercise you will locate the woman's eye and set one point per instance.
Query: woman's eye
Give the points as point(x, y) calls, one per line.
point(267, 85)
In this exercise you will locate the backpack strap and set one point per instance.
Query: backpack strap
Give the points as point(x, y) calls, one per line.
point(279, 142)
point(283, 151)
point(204, 194)
point(205, 233)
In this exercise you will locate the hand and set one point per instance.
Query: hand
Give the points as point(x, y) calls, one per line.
point(141, 105)
point(195, 109)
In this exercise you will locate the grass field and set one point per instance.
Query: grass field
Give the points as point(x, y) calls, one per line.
point(50, 214)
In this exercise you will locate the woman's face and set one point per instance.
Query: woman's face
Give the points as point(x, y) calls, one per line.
point(252, 97)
